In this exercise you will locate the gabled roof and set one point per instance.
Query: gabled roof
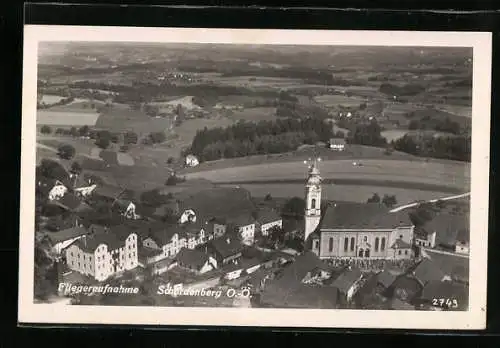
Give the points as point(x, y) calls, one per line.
point(108, 191)
point(400, 244)
point(113, 239)
point(122, 204)
point(218, 202)
point(337, 141)
point(66, 234)
point(161, 233)
point(363, 216)
point(303, 264)
point(449, 228)
point(240, 220)
point(386, 278)
point(226, 247)
point(265, 216)
point(347, 279)
point(69, 201)
point(44, 185)
point(300, 296)
point(427, 271)
point(192, 258)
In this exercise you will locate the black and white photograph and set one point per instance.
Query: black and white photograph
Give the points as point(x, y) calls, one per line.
point(255, 177)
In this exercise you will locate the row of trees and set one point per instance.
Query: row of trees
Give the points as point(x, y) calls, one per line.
point(264, 137)
point(456, 148)
point(440, 125)
point(387, 200)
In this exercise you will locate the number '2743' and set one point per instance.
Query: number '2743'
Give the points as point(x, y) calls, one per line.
point(445, 302)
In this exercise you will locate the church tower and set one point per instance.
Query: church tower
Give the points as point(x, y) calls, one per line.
point(312, 214)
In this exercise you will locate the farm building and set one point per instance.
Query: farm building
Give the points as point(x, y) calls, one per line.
point(452, 232)
point(337, 144)
point(192, 161)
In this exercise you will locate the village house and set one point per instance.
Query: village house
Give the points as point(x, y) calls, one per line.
point(218, 203)
point(168, 240)
point(337, 144)
point(195, 260)
point(103, 255)
point(426, 271)
point(452, 232)
point(267, 219)
point(63, 238)
point(81, 187)
point(125, 208)
point(348, 283)
point(225, 250)
point(108, 193)
point(51, 189)
point(425, 239)
point(243, 225)
point(354, 230)
point(192, 161)
point(297, 281)
point(71, 203)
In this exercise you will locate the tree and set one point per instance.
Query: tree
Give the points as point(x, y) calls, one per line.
point(84, 131)
point(294, 207)
point(103, 139)
point(374, 199)
point(268, 197)
point(170, 160)
point(52, 170)
point(130, 138)
point(76, 168)
point(276, 236)
point(45, 271)
point(66, 151)
point(158, 137)
point(73, 131)
point(389, 201)
point(46, 130)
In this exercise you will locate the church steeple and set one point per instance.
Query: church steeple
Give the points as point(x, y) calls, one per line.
point(312, 214)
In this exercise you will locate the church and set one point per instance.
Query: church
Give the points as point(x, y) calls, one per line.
point(354, 230)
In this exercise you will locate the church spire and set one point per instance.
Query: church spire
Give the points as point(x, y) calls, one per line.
point(312, 214)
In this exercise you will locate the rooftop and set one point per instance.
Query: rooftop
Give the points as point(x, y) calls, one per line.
point(426, 271)
point(386, 278)
point(400, 244)
point(449, 228)
point(363, 215)
point(192, 258)
point(219, 202)
point(113, 239)
point(303, 264)
point(347, 279)
point(226, 246)
point(265, 216)
point(66, 234)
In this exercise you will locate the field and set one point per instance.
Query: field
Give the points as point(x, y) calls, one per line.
point(447, 175)
point(348, 193)
point(66, 118)
point(253, 114)
point(117, 120)
point(186, 102)
point(258, 81)
point(51, 99)
point(458, 110)
point(393, 134)
point(332, 100)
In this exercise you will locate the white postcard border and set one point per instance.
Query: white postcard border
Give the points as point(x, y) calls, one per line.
point(475, 318)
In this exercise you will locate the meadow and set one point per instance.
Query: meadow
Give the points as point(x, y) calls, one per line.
point(51, 99)
point(333, 100)
point(393, 134)
point(66, 118)
point(123, 120)
point(446, 174)
point(348, 193)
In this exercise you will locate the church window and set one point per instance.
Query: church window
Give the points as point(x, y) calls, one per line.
point(316, 244)
point(352, 244)
point(399, 253)
point(406, 252)
point(330, 245)
point(365, 238)
point(400, 236)
point(382, 244)
point(313, 203)
point(346, 242)
point(367, 253)
point(360, 253)
point(376, 243)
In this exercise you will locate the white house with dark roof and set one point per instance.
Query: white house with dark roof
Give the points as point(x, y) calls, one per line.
point(103, 255)
point(126, 208)
point(267, 219)
point(51, 189)
point(337, 144)
point(354, 230)
point(348, 283)
point(195, 260)
point(63, 238)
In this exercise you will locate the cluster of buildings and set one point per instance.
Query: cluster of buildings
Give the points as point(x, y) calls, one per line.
point(215, 229)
